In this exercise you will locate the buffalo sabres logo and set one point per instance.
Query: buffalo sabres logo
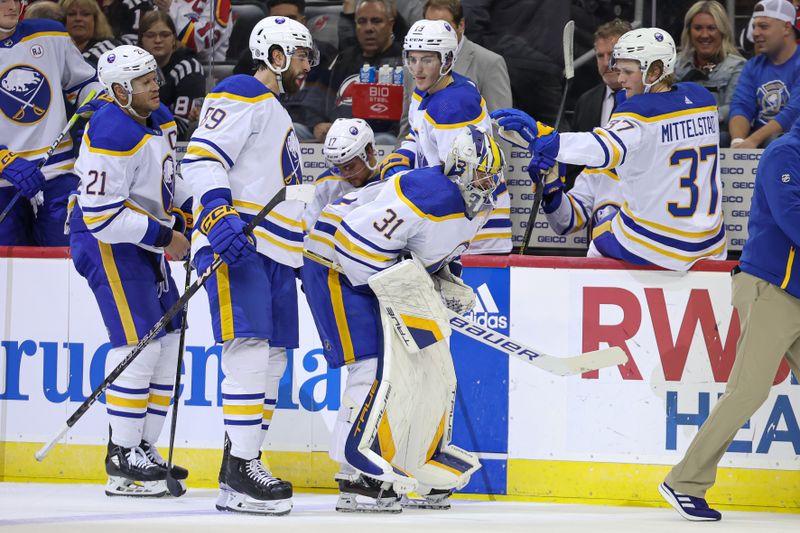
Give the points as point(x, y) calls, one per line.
point(167, 182)
point(24, 94)
point(772, 97)
point(290, 160)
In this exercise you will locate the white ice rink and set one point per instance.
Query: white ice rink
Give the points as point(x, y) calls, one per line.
point(84, 508)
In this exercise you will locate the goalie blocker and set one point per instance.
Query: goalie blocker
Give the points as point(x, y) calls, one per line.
point(400, 435)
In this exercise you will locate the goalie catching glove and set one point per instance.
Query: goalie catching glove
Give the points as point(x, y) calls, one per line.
point(456, 295)
point(225, 231)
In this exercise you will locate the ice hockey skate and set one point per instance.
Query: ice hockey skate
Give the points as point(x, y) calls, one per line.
point(179, 473)
point(362, 494)
point(248, 487)
point(132, 473)
point(436, 500)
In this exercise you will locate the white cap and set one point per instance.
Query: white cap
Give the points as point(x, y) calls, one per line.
point(777, 9)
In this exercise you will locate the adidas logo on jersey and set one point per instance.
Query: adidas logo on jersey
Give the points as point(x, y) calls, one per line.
point(687, 101)
point(486, 313)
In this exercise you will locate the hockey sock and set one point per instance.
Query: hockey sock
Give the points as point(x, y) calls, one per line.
point(244, 363)
point(126, 398)
point(360, 376)
point(161, 385)
point(277, 366)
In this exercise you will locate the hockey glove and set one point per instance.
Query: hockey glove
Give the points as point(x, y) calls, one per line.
point(225, 231)
point(554, 179)
point(456, 295)
point(394, 163)
point(545, 151)
point(89, 109)
point(184, 219)
point(24, 175)
point(519, 128)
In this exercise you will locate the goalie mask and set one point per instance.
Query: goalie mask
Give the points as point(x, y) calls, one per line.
point(646, 45)
point(121, 66)
point(432, 36)
point(475, 163)
point(348, 139)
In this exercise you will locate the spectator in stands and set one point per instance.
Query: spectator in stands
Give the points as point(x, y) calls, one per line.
point(346, 27)
point(484, 67)
point(45, 9)
point(124, 16)
point(184, 85)
point(766, 101)
point(89, 28)
point(376, 46)
point(594, 107)
point(307, 106)
point(528, 36)
point(708, 56)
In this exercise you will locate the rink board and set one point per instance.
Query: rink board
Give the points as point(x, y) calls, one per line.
point(604, 438)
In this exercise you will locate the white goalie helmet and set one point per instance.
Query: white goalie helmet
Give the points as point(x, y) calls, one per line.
point(348, 139)
point(122, 65)
point(433, 36)
point(286, 34)
point(475, 163)
point(647, 45)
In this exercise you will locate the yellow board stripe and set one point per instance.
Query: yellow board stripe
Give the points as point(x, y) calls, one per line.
point(385, 439)
point(240, 98)
point(255, 409)
point(126, 402)
point(120, 300)
point(665, 116)
point(159, 400)
point(418, 211)
point(789, 263)
point(225, 306)
point(424, 324)
point(335, 287)
point(436, 438)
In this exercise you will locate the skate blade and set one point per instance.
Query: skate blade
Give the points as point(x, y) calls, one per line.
point(234, 502)
point(350, 503)
point(120, 486)
point(425, 504)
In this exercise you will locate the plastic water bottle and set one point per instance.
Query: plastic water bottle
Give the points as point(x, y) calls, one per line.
point(397, 77)
point(367, 74)
point(385, 74)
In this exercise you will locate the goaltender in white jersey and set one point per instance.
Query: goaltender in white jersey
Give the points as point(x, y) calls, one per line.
point(663, 142)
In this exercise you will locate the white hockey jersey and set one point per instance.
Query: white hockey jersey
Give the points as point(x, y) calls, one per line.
point(328, 187)
point(246, 144)
point(434, 122)
point(39, 64)
point(420, 211)
point(320, 240)
point(664, 147)
point(129, 184)
point(595, 196)
point(204, 26)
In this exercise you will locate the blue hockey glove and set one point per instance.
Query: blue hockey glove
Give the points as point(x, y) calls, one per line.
point(225, 231)
point(519, 128)
point(90, 108)
point(554, 180)
point(545, 151)
point(23, 175)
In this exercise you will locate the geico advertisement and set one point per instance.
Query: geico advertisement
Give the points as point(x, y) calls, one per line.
point(680, 333)
point(54, 346)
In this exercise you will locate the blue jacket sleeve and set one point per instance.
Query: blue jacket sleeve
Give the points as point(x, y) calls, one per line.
point(744, 98)
point(791, 111)
point(782, 190)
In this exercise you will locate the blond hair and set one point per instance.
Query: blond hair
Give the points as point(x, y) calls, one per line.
point(102, 29)
point(721, 21)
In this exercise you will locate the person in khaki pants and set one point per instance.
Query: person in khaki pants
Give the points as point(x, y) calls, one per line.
point(766, 294)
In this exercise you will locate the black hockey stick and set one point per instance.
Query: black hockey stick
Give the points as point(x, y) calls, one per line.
point(114, 374)
point(173, 485)
point(569, 73)
point(43, 161)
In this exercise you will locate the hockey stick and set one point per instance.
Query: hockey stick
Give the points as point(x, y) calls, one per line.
point(173, 485)
point(42, 162)
point(560, 366)
point(569, 73)
point(171, 312)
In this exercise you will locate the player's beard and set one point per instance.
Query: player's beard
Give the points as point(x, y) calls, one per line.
point(290, 83)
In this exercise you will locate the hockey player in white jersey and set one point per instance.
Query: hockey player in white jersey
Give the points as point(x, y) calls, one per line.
point(349, 150)
point(392, 433)
point(242, 154)
point(595, 198)
point(40, 65)
point(663, 142)
point(444, 102)
point(120, 230)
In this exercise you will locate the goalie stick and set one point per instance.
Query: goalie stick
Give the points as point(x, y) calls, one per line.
point(43, 161)
point(569, 73)
point(299, 192)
